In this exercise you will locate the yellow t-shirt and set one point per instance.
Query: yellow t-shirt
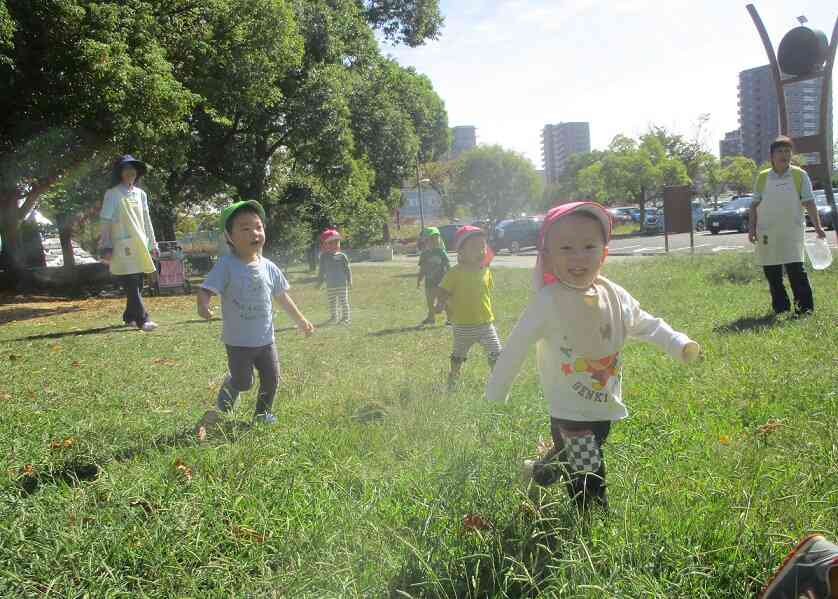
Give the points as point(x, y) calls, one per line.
point(470, 300)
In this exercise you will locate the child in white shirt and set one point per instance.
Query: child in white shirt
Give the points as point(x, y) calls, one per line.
point(580, 322)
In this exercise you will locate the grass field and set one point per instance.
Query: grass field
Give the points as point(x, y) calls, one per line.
point(361, 490)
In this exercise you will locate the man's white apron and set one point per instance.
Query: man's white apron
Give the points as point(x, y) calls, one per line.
point(780, 223)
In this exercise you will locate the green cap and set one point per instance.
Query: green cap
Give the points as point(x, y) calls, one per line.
point(430, 232)
point(228, 212)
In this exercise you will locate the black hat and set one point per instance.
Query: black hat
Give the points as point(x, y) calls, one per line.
point(123, 161)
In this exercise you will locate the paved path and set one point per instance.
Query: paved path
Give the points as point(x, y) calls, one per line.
point(638, 247)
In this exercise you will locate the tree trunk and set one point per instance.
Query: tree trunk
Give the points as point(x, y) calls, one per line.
point(11, 259)
point(65, 235)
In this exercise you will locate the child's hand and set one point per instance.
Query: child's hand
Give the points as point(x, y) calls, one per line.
point(204, 311)
point(691, 352)
point(305, 327)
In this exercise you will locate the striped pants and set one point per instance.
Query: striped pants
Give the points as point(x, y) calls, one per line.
point(467, 335)
point(339, 304)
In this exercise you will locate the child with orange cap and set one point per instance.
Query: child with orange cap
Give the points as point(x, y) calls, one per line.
point(336, 273)
point(580, 322)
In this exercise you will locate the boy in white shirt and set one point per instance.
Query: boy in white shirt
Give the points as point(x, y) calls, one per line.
point(580, 322)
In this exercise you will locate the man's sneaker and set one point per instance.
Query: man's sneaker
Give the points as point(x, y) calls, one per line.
point(805, 571)
point(227, 396)
point(149, 325)
point(266, 418)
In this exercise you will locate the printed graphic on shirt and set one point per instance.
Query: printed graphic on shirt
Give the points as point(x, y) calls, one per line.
point(600, 370)
point(249, 299)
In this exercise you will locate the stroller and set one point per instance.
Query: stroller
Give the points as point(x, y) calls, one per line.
point(172, 270)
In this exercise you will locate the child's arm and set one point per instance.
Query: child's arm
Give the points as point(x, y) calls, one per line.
point(530, 328)
point(204, 296)
point(321, 271)
point(644, 326)
point(348, 271)
point(442, 296)
point(293, 311)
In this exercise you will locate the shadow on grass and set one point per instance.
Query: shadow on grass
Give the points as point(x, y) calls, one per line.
point(410, 275)
point(513, 563)
point(18, 314)
point(748, 323)
point(401, 330)
point(77, 333)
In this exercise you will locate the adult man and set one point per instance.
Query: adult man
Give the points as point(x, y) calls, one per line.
point(777, 227)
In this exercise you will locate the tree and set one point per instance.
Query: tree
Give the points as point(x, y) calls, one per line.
point(712, 180)
point(738, 173)
point(495, 182)
point(440, 176)
point(409, 22)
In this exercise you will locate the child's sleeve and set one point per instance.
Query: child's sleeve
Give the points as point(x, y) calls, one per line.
point(321, 269)
point(216, 280)
point(530, 328)
point(642, 325)
point(348, 269)
point(278, 281)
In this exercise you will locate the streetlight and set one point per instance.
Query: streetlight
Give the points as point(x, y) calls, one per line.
point(421, 206)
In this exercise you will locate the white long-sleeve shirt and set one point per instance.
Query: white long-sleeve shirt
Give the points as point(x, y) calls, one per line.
point(579, 336)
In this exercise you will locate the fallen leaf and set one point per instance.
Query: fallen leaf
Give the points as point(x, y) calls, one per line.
point(243, 532)
point(5, 396)
point(474, 522)
point(55, 348)
point(544, 447)
point(76, 364)
point(164, 361)
point(66, 443)
point(183, 470)
point(201, 433)
point(142, 503)
point(770, 426)
point(27, 470)
point(724, 440)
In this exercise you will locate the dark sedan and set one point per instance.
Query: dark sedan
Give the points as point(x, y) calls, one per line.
point(824, 210)
point(733, 217)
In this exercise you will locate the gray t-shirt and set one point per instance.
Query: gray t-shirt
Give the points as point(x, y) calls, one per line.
point(246, 292)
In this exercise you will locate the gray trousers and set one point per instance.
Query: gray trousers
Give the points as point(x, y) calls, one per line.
point(241, 362)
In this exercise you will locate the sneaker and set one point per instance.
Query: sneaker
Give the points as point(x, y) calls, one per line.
point(131, 323)
point(266, 418)
point(805, 572)
point(149, 325)
point(346, 322)
point(227, 396)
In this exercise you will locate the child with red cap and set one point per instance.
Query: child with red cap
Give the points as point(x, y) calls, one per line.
point(580, 322)
point(466, 293)
point(336, 273)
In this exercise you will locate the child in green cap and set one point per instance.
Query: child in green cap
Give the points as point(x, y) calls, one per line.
point(247, 283)
point(433, 264)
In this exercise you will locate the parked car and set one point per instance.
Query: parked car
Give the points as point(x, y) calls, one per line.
point(654, 222)
point(734, 216)
point(622, 214)
point(517, 234)
point(828, 220)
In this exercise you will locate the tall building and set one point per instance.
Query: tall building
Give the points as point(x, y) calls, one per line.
point(464, 138)
point(758, 116)
point(560, 142)
point(731, 145)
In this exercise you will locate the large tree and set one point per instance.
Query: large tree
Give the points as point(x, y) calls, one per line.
point(495, 182)
point(738, 173)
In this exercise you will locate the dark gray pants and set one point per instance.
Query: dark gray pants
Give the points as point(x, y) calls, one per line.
point(241, 362)
point(800, 287)
point(134, 308)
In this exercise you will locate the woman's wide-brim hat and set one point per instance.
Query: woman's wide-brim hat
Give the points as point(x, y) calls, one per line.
point(128, 160)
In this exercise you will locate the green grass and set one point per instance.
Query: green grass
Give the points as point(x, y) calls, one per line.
point(362, 488)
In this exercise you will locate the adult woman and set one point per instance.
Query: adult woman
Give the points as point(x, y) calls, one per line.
point(128, 240)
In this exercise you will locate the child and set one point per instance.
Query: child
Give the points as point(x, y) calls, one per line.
point(128, 237)
point(433, 264)
point(246, 283)
point(465, 292)
point(335, 271)
point(580, 321)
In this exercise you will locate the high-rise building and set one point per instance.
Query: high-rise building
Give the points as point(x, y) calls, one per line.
point(464, 138)
point(758, 114)
point(731, 145)
point(560, 142)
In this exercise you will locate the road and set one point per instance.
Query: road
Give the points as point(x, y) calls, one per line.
point(635, 247)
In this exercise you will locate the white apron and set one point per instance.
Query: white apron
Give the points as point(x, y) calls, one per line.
point(130, 243)
point(780, 223)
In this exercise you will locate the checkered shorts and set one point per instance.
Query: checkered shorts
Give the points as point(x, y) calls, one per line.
point(582, 453)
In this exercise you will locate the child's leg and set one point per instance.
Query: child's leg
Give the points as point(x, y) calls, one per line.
point(332, 294)
point(464, 338)
point(430, 296)
point(491, 344)
point(267, 365)
point(580, 446)
point(240, 378)
point(344, 305)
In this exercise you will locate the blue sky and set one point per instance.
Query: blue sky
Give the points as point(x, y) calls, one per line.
point(510, 66)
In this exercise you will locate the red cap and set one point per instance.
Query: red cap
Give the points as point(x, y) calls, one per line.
point(329, 235)
point(467, 231)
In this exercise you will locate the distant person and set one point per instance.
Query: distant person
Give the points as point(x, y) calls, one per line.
point(433, 264)
point(127, 240)
point(777, 226)
point(809, 571)
point(247, 283)
point(337, 274)
point(465, 293)
point(579, 321)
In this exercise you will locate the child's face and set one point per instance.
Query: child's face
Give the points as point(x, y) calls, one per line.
point(333, 245)
point(432, 242)
point(473, 250)
point(128, 175)
point(247, 234)
point(575, 250)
